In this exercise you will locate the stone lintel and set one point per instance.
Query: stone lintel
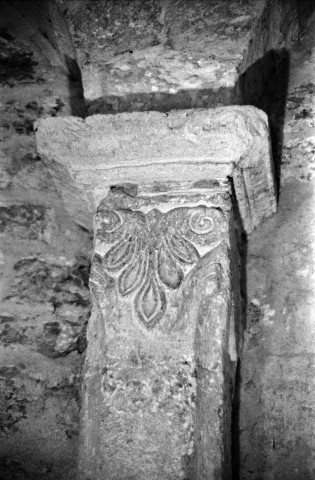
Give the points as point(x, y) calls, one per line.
point(163, 337)
point(87, 157)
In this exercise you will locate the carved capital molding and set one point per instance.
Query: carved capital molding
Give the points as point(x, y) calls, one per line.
point(86, 157)
point(150, 254)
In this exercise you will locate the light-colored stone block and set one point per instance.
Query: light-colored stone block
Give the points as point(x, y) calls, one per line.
point(87, 157)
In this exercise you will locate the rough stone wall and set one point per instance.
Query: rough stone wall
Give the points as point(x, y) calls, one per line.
point(44, 296)
point(164, 55)
point(277, 395)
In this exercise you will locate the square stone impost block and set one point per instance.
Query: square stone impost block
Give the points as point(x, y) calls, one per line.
point(165, 330)
point(87, 157)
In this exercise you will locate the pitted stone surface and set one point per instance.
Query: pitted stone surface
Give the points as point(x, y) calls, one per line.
point(87, 157)
point(163, 337)
point(44, 296)
point(277, 397)
point(165, 55)
point(27, 221)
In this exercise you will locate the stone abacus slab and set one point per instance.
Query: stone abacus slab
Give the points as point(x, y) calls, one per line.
point(87, 157)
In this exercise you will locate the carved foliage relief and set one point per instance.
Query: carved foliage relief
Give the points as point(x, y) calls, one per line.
point(150, 254)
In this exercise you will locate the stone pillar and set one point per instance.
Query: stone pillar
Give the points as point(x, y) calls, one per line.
point(159, 376)
point(165, 330)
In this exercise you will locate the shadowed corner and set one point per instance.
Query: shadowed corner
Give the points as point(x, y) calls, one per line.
point(265, 86)
point(235, 428)
point(241, 326)
point(76, 91)
point(306, 8)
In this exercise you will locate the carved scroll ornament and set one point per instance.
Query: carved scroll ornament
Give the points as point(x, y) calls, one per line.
point(150, 253)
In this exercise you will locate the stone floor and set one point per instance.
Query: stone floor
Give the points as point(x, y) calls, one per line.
point(277, 393)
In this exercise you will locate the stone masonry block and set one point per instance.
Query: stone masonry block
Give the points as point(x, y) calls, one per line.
point(87, 157)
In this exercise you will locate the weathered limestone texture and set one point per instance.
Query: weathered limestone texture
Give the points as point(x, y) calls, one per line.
point(277, 395)
point(37, 50)
point(86, 157)
point(162, 349)
point(44, 255)
point(165, 332)
point(164, 55)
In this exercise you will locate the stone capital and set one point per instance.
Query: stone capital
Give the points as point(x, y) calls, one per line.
point(163, 192)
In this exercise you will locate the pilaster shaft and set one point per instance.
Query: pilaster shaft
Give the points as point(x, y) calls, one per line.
point(159, 377)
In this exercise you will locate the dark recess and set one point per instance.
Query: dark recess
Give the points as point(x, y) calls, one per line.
point(265, 85)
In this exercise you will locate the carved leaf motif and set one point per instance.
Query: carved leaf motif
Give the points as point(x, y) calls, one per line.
point(150, 303)
point(111, 221)
point(133, 276)
point(182, 249)
point(200, 223)
point(149, 251)
point(169, 271)
point(120, 255)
